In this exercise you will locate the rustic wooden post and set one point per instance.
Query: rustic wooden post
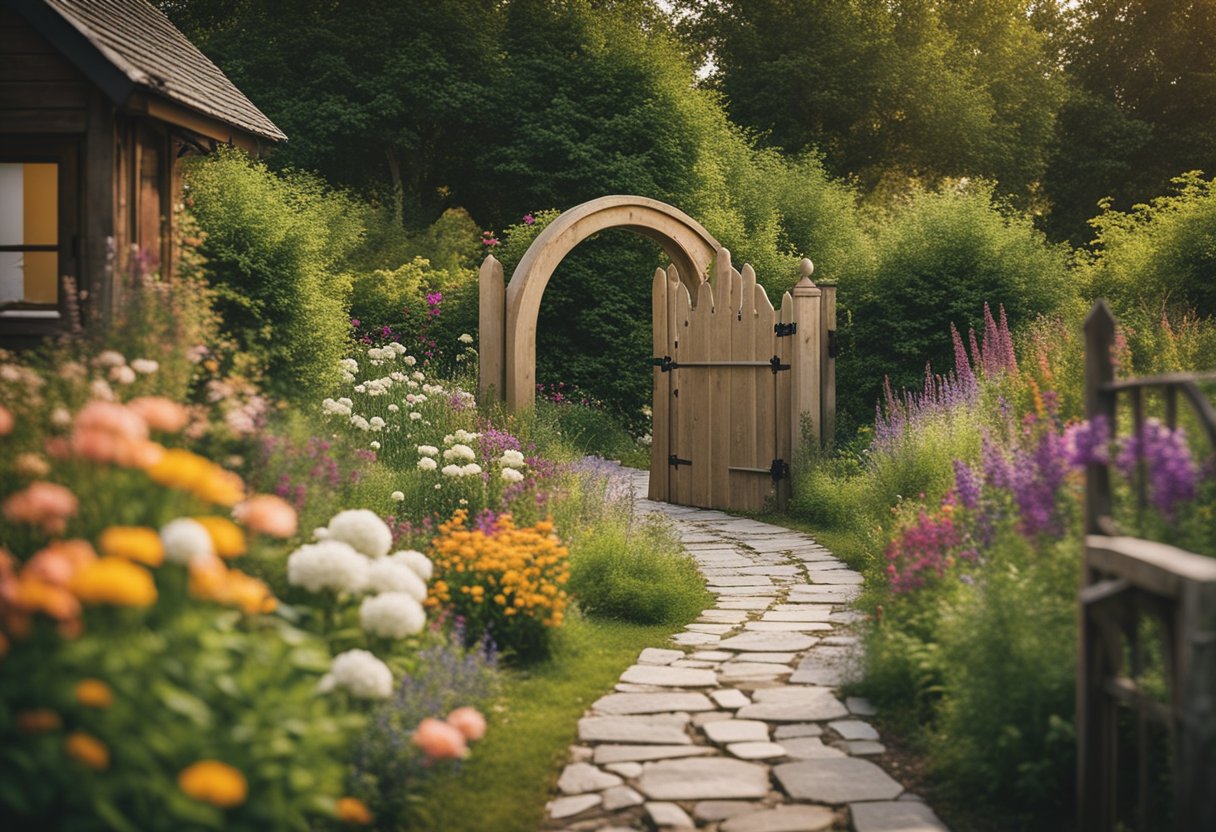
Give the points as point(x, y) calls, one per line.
point(827, 363)
point(492, 333)
point(1195, 700)
point(1099, 402)
point(660, 407)
point(805, 364)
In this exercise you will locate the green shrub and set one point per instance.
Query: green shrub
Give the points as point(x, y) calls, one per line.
point(273, 246)
point(638, 574)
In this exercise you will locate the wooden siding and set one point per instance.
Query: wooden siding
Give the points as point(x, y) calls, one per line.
point(40, 92)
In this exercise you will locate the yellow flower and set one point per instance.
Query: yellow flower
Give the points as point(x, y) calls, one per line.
point(135, 543)
point(38, 721)
point(88, 750)
point(210, 781)
point(220, 487)
point(94, 693)
point(179, 468)
point(115, 581)
point(227, 536)
point(353, 810)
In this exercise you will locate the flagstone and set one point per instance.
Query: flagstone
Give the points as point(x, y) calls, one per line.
point(712, 629)
point(770, 658)
point(564, 807)
point(752, 670)
point(730, 699)
point(642, 753)
point(793, 704)
point(786, 626)
point(651, 703)
point(808, 612)
point(667, 729)
point(712, 810)
point(626, 770)
point(695, 639)
point(756, 750)
point(578, 778)
point(805, 729)
point(620, 797)
point(895, 816)
point(736, 730)
point(768, 642)
point(724, 616)
point(854, 729)
point(657, 655)
point(710, 777)
point(782, 819)
point(712, 655)
point(862, 748)
point(663, 814)
point(809, 748)
point(835, 780)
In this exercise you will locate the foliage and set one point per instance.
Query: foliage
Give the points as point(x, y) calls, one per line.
point(273, 245)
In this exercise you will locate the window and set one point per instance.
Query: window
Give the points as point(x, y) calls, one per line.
point(29, 237)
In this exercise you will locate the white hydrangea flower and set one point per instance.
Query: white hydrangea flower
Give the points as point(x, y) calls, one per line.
point(361, 673)
point(459, 452)
point(471, 470)
point(512, 459)
point(417, 375)
point(360, 388)
point(392, 408)
point(363, 529)
point(451, 470)
point(391, 615)
point(511, 475)
point(389, 575)
point(145, 366)
point(349, 364)
point(359, 422)
point(185, 539)
point(320, 533)
point(415, 416)
point(376, 423)
point(428, 450)
point(397, 348)
point(432, 389)
point(335, 408)
point(99, 389)
point(330, 564)
point(122, 375)
point(397, 496)
point(465, 338)
point(449, 439)
point(415, 560)
point(397, 376)
point(465, 436)
point(374, 445)
point(427, 464)
point(345, 402)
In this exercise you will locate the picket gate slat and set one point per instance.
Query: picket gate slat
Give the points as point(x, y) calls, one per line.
point(661, 399)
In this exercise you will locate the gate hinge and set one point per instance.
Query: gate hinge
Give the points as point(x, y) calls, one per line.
point(776, 364)
point(780, 470)
point(783, 330)
point(665, 364)
point(675, 462)
point(832, 347)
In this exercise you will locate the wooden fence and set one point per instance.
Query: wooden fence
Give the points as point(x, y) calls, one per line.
point(1126, 582)
point(734, 380)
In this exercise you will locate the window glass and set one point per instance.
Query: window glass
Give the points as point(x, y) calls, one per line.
point(29, 233)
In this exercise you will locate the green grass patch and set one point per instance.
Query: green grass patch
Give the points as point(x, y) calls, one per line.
point(508, 779)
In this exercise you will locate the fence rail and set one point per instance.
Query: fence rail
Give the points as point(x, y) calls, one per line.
point(1126, 581)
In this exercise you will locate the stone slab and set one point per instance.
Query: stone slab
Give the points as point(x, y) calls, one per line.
point(605, 754)
point(675, 677)
point(579, 778)
point(693, 663)
point(836, 781)
point(803, 729)
point(854, 729)
point(756, 750)
point(668, 815)
point(725, 616)
point(695, 639)
point(730, 699)
point(768, 658)
point(711, 810)
point(626, 770)
point(753, 670)
point(809, 748)
point(793, 704)
point(746, 604)
point(700, 778)
point(782, 819)
point(736, 730)
point(862, 748)
point(651, 703)
point(620, 797)
point(812, 612)
point(654, 730)
point(741, 580)
point(712, 629)
point(786, 626)
point(768, 642)
point(712, 655)
point(895, 816)
point(657, 655)
point(564, 807)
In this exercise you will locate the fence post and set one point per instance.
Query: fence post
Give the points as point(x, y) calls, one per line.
point(805, 363)
point(1099, 371)
point(827, 363)
point(492, 332)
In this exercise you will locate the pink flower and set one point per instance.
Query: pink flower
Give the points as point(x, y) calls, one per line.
point(267, 514)
point(469, 722)
point(440, 741)
point(160, 413)
point(6, 421)
point(112, 418)
point(43, 504)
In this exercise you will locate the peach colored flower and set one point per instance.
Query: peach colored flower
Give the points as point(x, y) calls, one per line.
point(112, 418)
point(439, 741)
point(267, 514)
point(42, 504)
point(354, 811)
point(160, 413)
point(51, 566)
point(469, 722)
point(32, 465)
point(32, 595)
point(6, 421)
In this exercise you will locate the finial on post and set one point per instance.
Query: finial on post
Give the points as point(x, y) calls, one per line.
point(805, 286)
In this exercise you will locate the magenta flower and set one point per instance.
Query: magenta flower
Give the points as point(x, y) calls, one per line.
point(529, 219)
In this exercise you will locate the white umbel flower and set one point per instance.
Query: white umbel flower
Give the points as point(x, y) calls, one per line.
point(471, 470)
point(185, 539)
point(511, 475)
point(330, 564)
point(392, 615)
point(145, 366)
point(397, 496)
point(428, 450)
point(361, 673)
point(459, 452)
point(388, 575)
point(452, 470)
point(512, 459)
point(465, 338)
point(427, 464)
point(363, 529)
point(415, 560)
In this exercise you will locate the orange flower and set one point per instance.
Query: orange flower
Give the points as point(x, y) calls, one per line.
point(267, 514)
point(221, 487)
point(33, 595)
point(210, 580)
point(88, 750)
point(42, 504)
point(32, 465)
point(353, 810)
point(160, 413)
point(440, 741)
point(210, 781)
point(94, 693)
point(227, 536)
point(38, 721)
point(179, 468)
point(6, 421)
point(136, 543)
point(115, 581)
point(469, 722)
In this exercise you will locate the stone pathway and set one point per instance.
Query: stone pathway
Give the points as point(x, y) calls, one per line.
point(739, 727)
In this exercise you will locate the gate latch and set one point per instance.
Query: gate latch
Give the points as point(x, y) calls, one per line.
point(675, 462)
point(776, 364)
point(780, 470)
point(665, 364)
point(784, 330)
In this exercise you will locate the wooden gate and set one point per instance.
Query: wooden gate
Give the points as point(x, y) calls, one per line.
point(734, 381)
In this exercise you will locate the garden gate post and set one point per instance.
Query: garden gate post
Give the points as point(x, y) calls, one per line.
point(806, 366)
point(492, 332)
point(827, 363)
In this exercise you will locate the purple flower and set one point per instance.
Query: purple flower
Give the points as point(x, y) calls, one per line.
point(1172, 473)
point(1088, 442)
point(966, 485)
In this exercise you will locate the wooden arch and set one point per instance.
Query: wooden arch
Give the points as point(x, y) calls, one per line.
point(508, 324)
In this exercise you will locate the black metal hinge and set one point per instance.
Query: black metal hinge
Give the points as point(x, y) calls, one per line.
point(784, 330)
point(665, 364)
point(776, 364)
point(833, 348)
point(675, 462)
point(780, 470)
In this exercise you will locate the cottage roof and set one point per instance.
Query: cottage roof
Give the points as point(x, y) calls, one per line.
point(148, 52)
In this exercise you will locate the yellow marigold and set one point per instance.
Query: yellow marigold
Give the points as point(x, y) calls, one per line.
point(135, 543)
point(115, 581)
point(179, 468)
point(88, 750)
point(94, 693)
point(221, 487)
point(353, 810)
point(38, 721)
point(227, 536)
point(210, 781)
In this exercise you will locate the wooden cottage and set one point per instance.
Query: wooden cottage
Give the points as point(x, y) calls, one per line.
point(99, 99)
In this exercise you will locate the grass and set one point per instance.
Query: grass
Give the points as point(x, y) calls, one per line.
point(512, 771)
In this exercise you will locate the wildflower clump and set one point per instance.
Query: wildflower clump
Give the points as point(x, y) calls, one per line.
point(505, 581)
